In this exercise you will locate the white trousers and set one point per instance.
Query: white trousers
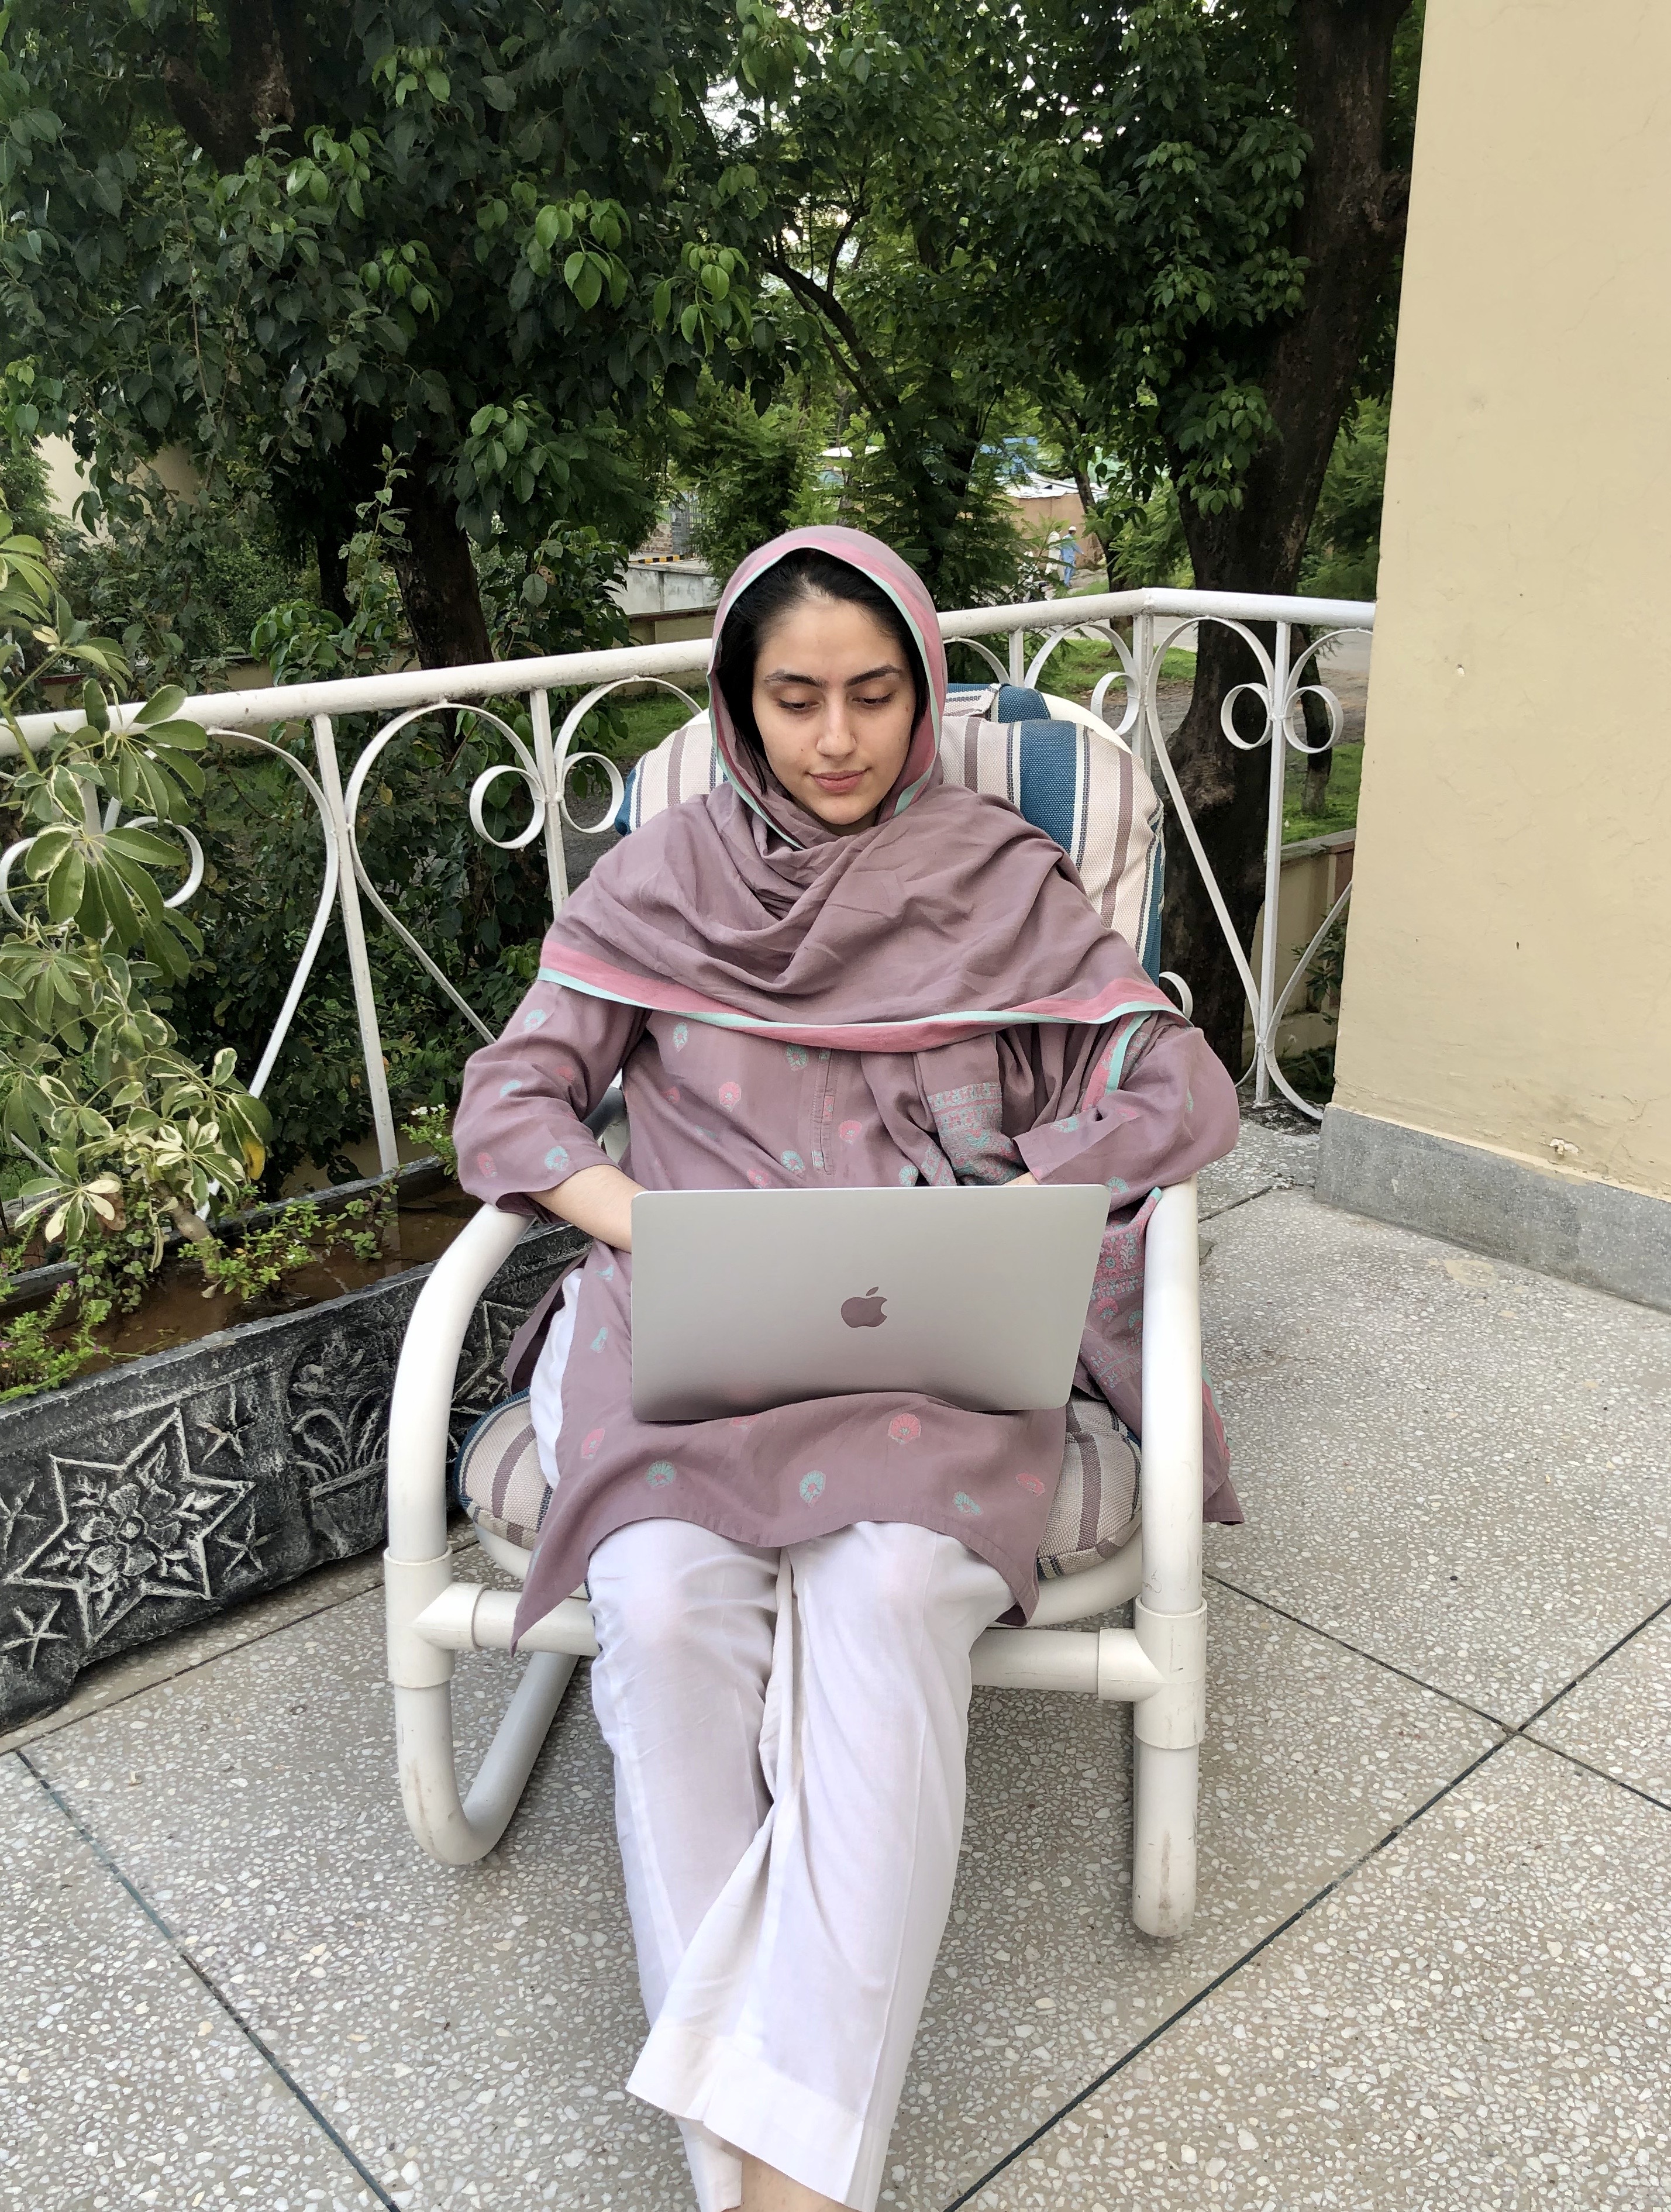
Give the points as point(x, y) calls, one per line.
point(789, 1733)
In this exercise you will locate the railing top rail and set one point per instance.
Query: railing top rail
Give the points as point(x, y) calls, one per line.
point(417, 687)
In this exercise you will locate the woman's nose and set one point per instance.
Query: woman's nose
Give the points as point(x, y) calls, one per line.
point(836, 738)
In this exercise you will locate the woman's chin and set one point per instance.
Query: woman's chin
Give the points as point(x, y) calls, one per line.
point(841, 809)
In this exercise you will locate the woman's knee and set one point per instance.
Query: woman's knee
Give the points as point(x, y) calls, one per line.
point(891, 1580)
point(670, 1598)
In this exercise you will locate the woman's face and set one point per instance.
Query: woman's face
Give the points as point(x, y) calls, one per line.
point(834, 704)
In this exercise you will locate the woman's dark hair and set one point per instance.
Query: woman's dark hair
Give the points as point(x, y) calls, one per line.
point(806, 574)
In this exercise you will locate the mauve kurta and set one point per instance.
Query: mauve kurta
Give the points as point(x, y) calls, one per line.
point(1129, 1106)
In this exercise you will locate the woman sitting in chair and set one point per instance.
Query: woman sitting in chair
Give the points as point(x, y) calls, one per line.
point(837, 969)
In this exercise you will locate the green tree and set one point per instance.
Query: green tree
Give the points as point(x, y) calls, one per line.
point(1225, 227)
point(484, 234)
point(750, 471)
point(1173, 225)
point(881, 148)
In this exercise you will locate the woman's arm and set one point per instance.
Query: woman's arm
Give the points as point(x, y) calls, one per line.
point(1153, 1116)
point(521, 1128)
point(598, 1201)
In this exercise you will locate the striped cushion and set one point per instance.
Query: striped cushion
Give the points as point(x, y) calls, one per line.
point(1093, 1513)
point(1003, 702)
point(1090, 793)
point(685, 765)
point(498, 1474)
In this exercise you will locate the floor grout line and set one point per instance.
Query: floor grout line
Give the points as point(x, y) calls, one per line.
point(176, 1944)
point(1228, 1973)
point(1388, 1665)
point(1511, 1733)
point(1481, 1712)
point(1234, 1205)
point(1588, 1767)
point(1584, 1673)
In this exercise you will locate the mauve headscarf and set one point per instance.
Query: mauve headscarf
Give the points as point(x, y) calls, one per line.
point(948, 916)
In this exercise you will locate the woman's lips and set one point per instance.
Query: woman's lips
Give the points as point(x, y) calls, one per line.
point(836, 785)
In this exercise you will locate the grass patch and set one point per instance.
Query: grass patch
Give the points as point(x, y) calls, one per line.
point(1075, 669)
point(1339, 810)
point(624, 728)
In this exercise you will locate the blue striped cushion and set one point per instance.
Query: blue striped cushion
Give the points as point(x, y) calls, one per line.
point(1008, 702)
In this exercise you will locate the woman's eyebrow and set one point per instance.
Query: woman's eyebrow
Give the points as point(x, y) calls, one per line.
point(817, 683)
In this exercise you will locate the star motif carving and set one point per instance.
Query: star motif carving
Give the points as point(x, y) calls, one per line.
point(130, 1529)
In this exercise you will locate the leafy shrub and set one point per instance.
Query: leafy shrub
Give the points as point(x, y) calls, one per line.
point(182, 581)
point(752, 474)
point(125, 1133)
point(1343, 550)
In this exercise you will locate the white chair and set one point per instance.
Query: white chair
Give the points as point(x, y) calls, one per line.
point(1158, 1666)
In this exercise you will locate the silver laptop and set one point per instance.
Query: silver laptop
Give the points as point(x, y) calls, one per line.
point(743, 1299)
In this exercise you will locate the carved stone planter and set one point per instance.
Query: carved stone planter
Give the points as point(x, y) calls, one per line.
point(144, 1499)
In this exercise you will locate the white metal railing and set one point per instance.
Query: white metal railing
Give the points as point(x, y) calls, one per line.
point(1157, 618)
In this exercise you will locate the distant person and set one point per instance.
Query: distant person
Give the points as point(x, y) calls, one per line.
point(836, 969)
point(1067, 552)
point(1052, 562)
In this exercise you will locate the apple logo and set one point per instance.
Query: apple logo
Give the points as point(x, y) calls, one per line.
point(865, 1312)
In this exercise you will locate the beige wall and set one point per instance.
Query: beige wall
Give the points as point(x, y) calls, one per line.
point(65, 482)
point(1509, 966)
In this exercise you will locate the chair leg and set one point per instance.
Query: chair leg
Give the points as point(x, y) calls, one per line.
point(1171, 1626)
point(1164, 1794)
point(459, 1833)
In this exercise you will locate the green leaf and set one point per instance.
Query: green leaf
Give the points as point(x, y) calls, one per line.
point(588, 286)
point(63, 887)
point(48, 850)
point(164, 706)
point(498, 94)
point(183, 736)
point(140, 845)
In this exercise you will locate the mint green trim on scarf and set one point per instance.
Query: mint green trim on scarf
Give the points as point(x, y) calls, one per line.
point(999, 1016)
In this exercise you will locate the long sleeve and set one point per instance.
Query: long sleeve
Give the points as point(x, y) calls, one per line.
point(1156, 1106)
point(521, 1121)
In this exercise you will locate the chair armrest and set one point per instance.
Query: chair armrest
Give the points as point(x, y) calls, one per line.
point(1172, 1405)
point(608, 1121)
point(422, 1403)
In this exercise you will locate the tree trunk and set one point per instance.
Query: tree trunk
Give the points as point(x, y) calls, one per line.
point(333, 573)
point(1349, 230)
point(437, 577)
point(1319, 757)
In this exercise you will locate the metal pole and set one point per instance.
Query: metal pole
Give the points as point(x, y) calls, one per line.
point(365, 999)
point(1143, 654)
point(1265, 1044)
point(557, 860)
point(1018, 656)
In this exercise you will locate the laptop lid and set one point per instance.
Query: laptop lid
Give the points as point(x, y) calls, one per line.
point(746, 1299)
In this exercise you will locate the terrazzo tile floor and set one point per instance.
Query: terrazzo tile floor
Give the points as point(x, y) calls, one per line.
point(1429, 1965)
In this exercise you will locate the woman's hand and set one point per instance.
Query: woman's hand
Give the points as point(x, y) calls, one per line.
point(598, 1201)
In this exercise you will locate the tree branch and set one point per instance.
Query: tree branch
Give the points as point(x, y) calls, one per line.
point(228, 120)
point(869, 377)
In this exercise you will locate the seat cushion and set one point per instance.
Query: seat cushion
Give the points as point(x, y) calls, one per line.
point(1093, 1514)
point(1086, 790)
point(1095, 1511)
point(498, 1474)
